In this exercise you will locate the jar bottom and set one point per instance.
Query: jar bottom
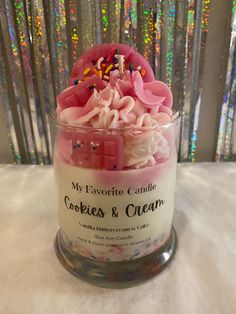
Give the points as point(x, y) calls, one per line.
point(121, 274)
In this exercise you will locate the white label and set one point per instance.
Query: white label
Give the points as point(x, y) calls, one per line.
point(114, 216)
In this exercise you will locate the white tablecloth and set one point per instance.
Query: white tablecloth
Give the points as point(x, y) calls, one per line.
point(201, 279)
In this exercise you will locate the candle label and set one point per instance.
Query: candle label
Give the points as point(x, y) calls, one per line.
point(115, 216)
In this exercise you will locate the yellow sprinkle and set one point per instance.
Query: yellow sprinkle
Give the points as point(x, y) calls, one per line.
point(109, 68)
point(95, 71)
point(100, 74)
point(142, 72)
point(87, 71)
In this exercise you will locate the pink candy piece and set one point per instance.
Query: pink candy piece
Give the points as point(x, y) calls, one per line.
point(97, 151)
point(78, 95)
point(154, 93)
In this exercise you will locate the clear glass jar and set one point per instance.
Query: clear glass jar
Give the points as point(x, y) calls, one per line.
point(116, 201)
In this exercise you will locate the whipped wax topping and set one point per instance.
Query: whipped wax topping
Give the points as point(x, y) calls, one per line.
point(115, 96)
point(124, 102)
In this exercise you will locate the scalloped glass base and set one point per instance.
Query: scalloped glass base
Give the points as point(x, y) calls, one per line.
point(122, 274)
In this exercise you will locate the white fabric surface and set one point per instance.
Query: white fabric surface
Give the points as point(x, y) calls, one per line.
point(201, 279)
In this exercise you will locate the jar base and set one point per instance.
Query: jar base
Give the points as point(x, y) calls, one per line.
point(122, 274)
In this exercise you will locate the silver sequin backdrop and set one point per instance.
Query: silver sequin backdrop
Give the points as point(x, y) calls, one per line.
point(190, 45)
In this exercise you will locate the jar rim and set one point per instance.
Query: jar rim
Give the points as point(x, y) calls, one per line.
point(59, 124)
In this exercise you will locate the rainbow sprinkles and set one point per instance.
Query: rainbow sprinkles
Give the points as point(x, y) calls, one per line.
point(103, 66)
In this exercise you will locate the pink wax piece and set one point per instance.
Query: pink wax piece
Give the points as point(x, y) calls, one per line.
point(78, 95)
point(94, 150)
point(154, 93)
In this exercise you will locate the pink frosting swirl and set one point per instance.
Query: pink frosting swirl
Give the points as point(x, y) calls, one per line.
point(126, 101)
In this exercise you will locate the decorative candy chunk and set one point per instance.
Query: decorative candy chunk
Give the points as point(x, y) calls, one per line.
point(78, 95)
point(153, 93)
point(95, 150)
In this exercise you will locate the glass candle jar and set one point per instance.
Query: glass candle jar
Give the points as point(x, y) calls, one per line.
point(116, 201)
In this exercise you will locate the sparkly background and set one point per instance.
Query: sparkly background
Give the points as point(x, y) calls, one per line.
point(40, 40)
